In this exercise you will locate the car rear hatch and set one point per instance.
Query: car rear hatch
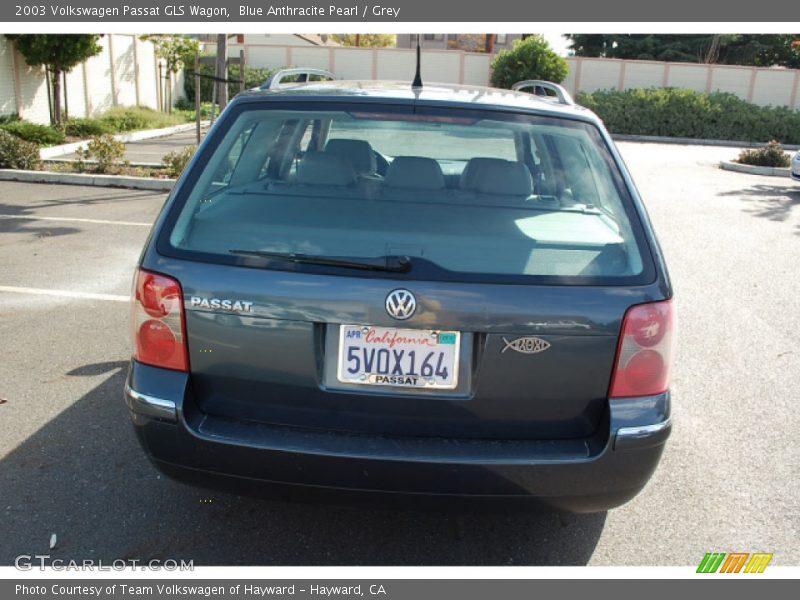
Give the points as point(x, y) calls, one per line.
point(277, 363)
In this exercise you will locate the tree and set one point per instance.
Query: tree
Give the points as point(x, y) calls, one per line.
point(59, 53)
point(177, 52)
point(222, 70)
point(369, 40)
point(488, 45)
point(760, 50)
point(531, 58)
point(669, 47)
point(586, 44)
point(764, 50)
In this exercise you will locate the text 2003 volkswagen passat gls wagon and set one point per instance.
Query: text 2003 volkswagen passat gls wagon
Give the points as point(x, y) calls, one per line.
point(448, 291)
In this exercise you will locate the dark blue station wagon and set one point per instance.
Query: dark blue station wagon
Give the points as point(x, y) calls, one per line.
point(374, 288)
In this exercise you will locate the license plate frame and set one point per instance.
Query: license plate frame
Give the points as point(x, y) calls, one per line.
point(447, 342)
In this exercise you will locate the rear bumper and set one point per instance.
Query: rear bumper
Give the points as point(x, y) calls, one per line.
point(584, 475)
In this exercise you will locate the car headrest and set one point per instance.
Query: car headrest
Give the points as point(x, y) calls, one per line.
point(321, 168)
point(471, 172)
point(359, 152)
point(507, 179)
point(414, 172)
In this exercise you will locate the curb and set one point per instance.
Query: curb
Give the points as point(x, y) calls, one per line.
point(654, 139)
point(130, 136)
point(729, 165)
point(136, 183)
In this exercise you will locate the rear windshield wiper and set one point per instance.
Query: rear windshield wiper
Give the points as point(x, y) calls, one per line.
point(393, 264)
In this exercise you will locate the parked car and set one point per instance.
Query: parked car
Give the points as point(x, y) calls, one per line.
point(446, 291)
point(795, 170)
point(294, 76)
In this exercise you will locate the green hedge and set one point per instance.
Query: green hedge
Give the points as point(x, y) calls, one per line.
point(86, 127)
point(43, 135)
point(115, 120)
point(130, 118)
point(16, 153)
point(675, 112)
point(771, 155)
point(253, 77)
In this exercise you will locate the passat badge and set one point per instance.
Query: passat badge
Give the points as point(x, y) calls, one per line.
point(526, 345)
point(221, 303)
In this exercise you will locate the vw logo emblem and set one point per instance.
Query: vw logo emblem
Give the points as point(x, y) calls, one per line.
point(401, 304)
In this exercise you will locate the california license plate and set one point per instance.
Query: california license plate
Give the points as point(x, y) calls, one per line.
point(413, 358)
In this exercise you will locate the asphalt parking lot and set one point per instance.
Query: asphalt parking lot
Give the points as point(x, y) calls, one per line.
point(70, 465)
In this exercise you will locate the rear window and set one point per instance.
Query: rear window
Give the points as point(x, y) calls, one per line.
point(455, 195)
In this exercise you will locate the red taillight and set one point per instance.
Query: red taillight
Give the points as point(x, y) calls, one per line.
point(644, 353)
point(159, 331)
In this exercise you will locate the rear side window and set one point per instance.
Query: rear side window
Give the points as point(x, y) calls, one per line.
point(462, 195)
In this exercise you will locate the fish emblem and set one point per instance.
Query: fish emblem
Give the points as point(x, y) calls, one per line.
point(526, 345)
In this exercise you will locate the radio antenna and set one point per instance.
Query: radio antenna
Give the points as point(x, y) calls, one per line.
point(417, 76)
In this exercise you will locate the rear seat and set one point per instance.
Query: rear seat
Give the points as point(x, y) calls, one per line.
point(472, 171)
point(409, 174)
point(496, 181)
point(323, 174)
point(489, 181)
point(320, 168)
point(358, 152)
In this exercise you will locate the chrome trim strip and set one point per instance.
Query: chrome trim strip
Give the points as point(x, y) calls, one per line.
point(150, 406)
point(643, 431)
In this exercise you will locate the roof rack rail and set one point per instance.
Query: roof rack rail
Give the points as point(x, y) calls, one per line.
point(540, 88)
point(302, 73)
